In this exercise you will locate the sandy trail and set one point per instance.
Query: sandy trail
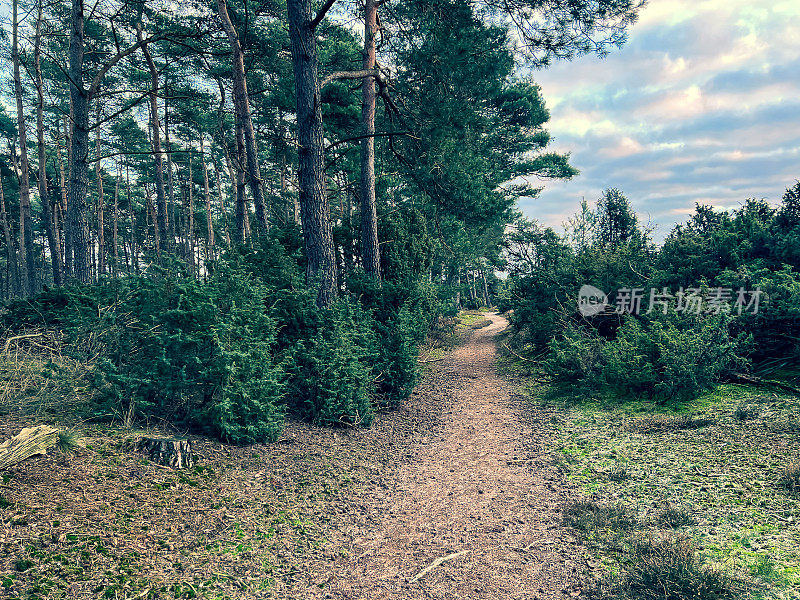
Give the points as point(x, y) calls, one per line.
point(477, 485)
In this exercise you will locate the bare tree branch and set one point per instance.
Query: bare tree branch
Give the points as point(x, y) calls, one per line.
point(347, 75)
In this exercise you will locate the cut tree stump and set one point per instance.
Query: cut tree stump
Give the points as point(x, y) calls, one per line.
point(170, 452)
point(28, 442)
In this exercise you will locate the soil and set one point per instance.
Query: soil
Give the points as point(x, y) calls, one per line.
point(461, 471)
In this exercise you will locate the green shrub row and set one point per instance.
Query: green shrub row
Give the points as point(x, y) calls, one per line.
point(664, 357)
point(232, 355)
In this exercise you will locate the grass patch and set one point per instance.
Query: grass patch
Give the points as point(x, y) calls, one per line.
point(470, 318)
point(662, 423)
point(675, 516)
point(618, 473)
point(746, 411)
point(667, 567)
point(67, 441)
point(790, 479)
point(22, 564)
point(695, 466)
point(481, 324)
point(591, 517)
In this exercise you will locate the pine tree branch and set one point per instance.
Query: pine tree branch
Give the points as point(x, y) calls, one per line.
point(321, 14)
point(335, 76)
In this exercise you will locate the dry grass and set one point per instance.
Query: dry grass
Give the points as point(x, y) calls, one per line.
point(700, 469)
point(675, 516)
point(667, 567)
point(254, 522)
point(790, 479)
point(588, 516)
point(37, 378)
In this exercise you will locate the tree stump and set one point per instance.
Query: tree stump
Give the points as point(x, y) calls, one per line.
point(170, 452)
point(28, 442)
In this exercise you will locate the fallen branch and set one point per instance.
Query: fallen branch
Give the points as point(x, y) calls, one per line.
point(519, 356)
point(20, 337)
point(436, 563)
point(28, 442)
point(753, 380)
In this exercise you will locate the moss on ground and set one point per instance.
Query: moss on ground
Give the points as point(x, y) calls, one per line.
point(247, 522)
point(469, 318)
point(717, 462)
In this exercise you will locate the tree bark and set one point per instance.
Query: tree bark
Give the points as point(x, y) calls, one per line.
point(48, 217)
point(314, 210)
point(115, 230)
point(101, 237)
point(11, 254)
point(155, 126)
point(190, 214)
point(226, 236)
point(79, 161)
point(170, 452)
point(27, 262)
point(170, 219)
point(207, 192)
point(242, 211)
point(151, 217)
point(241, 104)
point(134, 264)
point(369, 219)
point(65, 222)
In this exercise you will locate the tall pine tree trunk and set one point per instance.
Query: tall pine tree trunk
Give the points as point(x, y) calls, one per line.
point(134, 265)
point(115, 230)
point(101, 236)
point(171, 223)
point(11, 254)
point(369, 218)
point(79, 159)
point(207, 192)
point(241, 104)
point(27, 262)
point(189, 222)
point(314, 210)
point(155, 126)
point(226, 236)
point(242, 211)
point(48, 216)
point(65, 223)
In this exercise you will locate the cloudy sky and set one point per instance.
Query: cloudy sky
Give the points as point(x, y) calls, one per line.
point(701, 105)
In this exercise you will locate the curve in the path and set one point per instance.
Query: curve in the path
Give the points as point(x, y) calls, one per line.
point(470, 489)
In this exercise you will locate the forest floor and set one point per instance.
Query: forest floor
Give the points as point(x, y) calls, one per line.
point(528, 491)
point(460, 472)
point(720, 472)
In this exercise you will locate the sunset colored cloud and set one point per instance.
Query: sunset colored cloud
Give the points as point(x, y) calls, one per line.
point(702, 105)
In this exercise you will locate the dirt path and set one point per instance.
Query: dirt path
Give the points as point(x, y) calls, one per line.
point(321, 514)
point(474, 485)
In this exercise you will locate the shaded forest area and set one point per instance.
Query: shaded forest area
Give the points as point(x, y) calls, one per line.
point(215, 213)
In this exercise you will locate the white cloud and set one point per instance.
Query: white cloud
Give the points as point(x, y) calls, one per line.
point(701, 105)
